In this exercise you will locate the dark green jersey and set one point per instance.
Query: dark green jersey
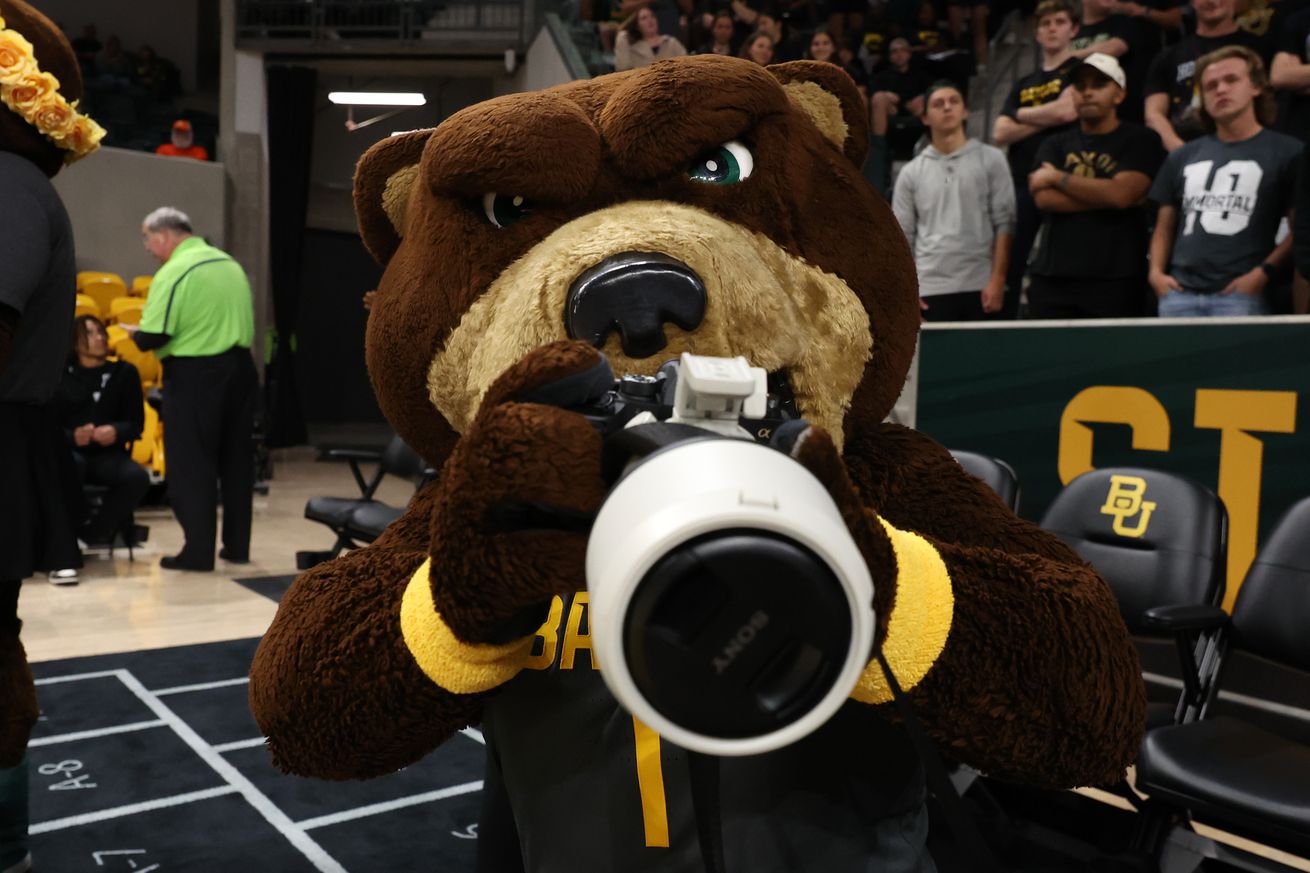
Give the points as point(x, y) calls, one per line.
point(592, 790)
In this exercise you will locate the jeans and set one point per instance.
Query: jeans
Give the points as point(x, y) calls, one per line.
point(1189, 304)
point(13, 816)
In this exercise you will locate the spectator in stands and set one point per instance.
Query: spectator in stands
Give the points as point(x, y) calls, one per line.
point(1039, 105)
point(848, 58)
point(845, 16)
point(1090, 185)
point(1223, 196)
point(898, 99)
point(156, 76)
point(927, 35)
point(785, 48)
point(1173, 102)
point(877, 37)
point(639, 42)
point(721, 33)
point(976, 11)
point(608, 17)
point(822, 48)
point(1101, 31)
point(955, 202)
point(199, 319)
point(100, 408)
point(669, 13)
point(115, 67)
point(758, 47)
point(181, 143)
point(87, 46)
point(1290, 74)
point(1165, 17)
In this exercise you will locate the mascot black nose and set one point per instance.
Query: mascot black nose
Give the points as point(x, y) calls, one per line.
point(635, 293)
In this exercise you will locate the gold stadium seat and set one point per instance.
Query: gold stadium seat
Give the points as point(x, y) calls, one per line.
point(141, 285)
point(104, 289)
point(147, 365)
point(86, 276)
point(126, 310)
point(87, 305)
point(148, 450)
point(113, 336)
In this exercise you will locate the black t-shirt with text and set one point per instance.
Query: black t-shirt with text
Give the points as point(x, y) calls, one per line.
point(1173, 72)
point(1231, 198)
point(1035, 89)
point(1294, 109)
point(1097, 243)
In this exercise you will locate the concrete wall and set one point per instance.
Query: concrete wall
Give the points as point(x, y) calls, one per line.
point(543, 67)
point(108, 193)
point(170, 27)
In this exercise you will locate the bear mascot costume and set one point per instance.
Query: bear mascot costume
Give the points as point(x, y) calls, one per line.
point(40, 131)
point(472, 607)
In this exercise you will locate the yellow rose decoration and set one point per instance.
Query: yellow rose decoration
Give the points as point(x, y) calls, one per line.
point(15, 56)
point(34, 96)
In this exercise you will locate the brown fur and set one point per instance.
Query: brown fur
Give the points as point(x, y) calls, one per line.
point(55, 56)
point(1037, 680)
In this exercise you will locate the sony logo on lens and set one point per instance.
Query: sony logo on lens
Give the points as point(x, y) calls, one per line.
point(738, 642)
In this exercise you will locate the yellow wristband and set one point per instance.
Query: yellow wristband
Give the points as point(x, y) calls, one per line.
point(464, 668)
point(920, 620)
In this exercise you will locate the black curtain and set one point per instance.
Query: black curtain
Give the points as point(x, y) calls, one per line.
point(291, 94)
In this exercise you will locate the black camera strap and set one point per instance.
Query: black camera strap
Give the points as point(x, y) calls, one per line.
point(966, 832)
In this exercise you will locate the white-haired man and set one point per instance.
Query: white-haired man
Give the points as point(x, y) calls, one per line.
point(199, 319)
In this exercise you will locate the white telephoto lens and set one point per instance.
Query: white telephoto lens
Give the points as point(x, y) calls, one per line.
point(685, 494)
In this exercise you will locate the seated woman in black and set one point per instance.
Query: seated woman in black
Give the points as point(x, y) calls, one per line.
point(100, 407)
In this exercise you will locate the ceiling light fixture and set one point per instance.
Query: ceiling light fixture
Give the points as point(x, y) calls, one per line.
point(377, 98)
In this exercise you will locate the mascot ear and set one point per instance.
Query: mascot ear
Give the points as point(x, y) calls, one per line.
point(829, 97)
point(384, 178)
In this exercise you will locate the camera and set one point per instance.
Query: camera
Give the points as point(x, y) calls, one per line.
point(730, 609)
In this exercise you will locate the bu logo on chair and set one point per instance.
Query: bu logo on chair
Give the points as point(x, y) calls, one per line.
point(1124, 500)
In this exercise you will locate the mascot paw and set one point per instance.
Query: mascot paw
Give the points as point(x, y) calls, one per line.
point(19, 711)
point(815, 450)
point(518, 495)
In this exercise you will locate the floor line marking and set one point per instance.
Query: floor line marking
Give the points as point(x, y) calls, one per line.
point(71, 821)
point(78, 677)
point(389, 805)
point(92, 734)
point(203, 686)
point(474, 734)
point(240, 744)
point(294, 834)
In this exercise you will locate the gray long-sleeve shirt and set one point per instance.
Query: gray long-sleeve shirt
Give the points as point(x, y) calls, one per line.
point(952, 208)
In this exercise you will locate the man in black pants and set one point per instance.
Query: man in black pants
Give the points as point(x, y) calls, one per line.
point(199, 319)
point(100, 408)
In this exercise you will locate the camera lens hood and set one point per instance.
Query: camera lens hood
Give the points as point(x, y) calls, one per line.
point(730, 609)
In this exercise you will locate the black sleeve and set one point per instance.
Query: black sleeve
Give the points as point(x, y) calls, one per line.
point(1292, 38)
point(1159, 78)
point(1011, 107)
point(1301, 221)
point(148, 342)
point(129, 417)
point(1049, 152)
point(1143, 153)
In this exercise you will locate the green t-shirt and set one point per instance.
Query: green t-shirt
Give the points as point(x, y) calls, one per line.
point(201, 298)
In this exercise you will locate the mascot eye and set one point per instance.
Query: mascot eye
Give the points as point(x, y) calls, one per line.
point(503, 210)
point(728, 164)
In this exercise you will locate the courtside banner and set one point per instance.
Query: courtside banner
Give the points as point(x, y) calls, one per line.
point(1223, 401)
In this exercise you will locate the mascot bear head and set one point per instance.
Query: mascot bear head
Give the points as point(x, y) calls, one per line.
point(40, 86)
point(513, 224)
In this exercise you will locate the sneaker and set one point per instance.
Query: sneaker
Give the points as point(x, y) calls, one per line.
point(24, 864)
point(60, 577)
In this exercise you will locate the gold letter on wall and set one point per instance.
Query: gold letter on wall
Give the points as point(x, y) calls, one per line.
point(1241, 462)
point(1109, 404)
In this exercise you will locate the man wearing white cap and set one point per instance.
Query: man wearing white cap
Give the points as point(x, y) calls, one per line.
point(1090, 183)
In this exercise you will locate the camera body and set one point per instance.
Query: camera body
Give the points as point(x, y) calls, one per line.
point(730, 609)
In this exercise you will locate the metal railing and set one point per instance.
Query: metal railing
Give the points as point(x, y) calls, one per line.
point(401, 24)
point(1001, 71)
